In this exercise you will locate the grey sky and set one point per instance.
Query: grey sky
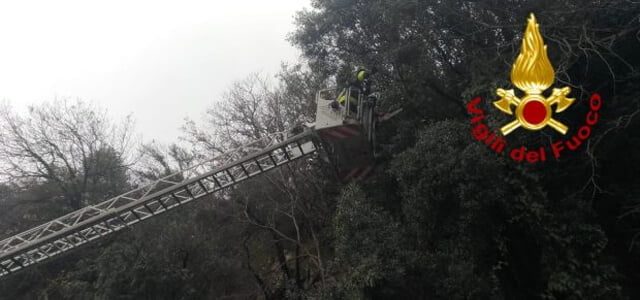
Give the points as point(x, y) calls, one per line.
point(158, 60)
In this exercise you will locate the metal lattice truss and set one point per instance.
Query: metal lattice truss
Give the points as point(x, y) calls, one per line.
point(95, 221)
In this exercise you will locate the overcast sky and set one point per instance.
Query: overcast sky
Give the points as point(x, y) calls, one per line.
point(158, 60)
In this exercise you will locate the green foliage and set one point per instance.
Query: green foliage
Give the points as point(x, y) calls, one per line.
point(482, 229)
point(368, 242)
point(442, 217)
point(453, 195)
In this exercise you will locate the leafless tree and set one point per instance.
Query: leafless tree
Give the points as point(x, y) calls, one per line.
point(249, 110)
point(284, 209)
point(72, 144)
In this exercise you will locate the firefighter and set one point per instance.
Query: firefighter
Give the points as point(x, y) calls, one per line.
point(358, 85)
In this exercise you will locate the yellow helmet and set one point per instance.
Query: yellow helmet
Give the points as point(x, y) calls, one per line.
point(361, 74)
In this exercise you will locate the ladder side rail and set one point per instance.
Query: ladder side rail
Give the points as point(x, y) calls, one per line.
point(192, 180)
point(76, 216)
point(84, 235)
point(191, 189)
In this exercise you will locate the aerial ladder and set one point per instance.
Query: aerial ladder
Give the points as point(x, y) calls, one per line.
point(346, 136)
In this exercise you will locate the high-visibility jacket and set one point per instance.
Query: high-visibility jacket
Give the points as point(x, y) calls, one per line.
point(360, 75)
point(342, 97)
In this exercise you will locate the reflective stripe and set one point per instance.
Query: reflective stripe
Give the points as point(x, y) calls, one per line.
point(358, 173)
point(342, 97)
point(339, 133)
point(352, 100)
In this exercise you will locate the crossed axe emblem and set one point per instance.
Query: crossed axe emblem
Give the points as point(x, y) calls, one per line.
point(533, 112)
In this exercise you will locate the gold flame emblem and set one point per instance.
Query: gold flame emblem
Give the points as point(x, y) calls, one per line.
point(532, 73)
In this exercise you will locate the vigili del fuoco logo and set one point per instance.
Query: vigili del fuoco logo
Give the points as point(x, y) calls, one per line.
point(533, 74)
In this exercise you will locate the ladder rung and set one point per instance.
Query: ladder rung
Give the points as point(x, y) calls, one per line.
point(133, 211)
point(162, 203)
point(245, 170)
point(186, 188)
point(286, 154)
point(259, 166)
point(5, 268)
point(15, 261)
point(204, 189)
point(79, 233)
point(273, 160)
point(93, 228)
point(300, 147)
point(124, 222)
point(232, 178)
point(215, 179)
point(146, 205)
point(176, 198)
